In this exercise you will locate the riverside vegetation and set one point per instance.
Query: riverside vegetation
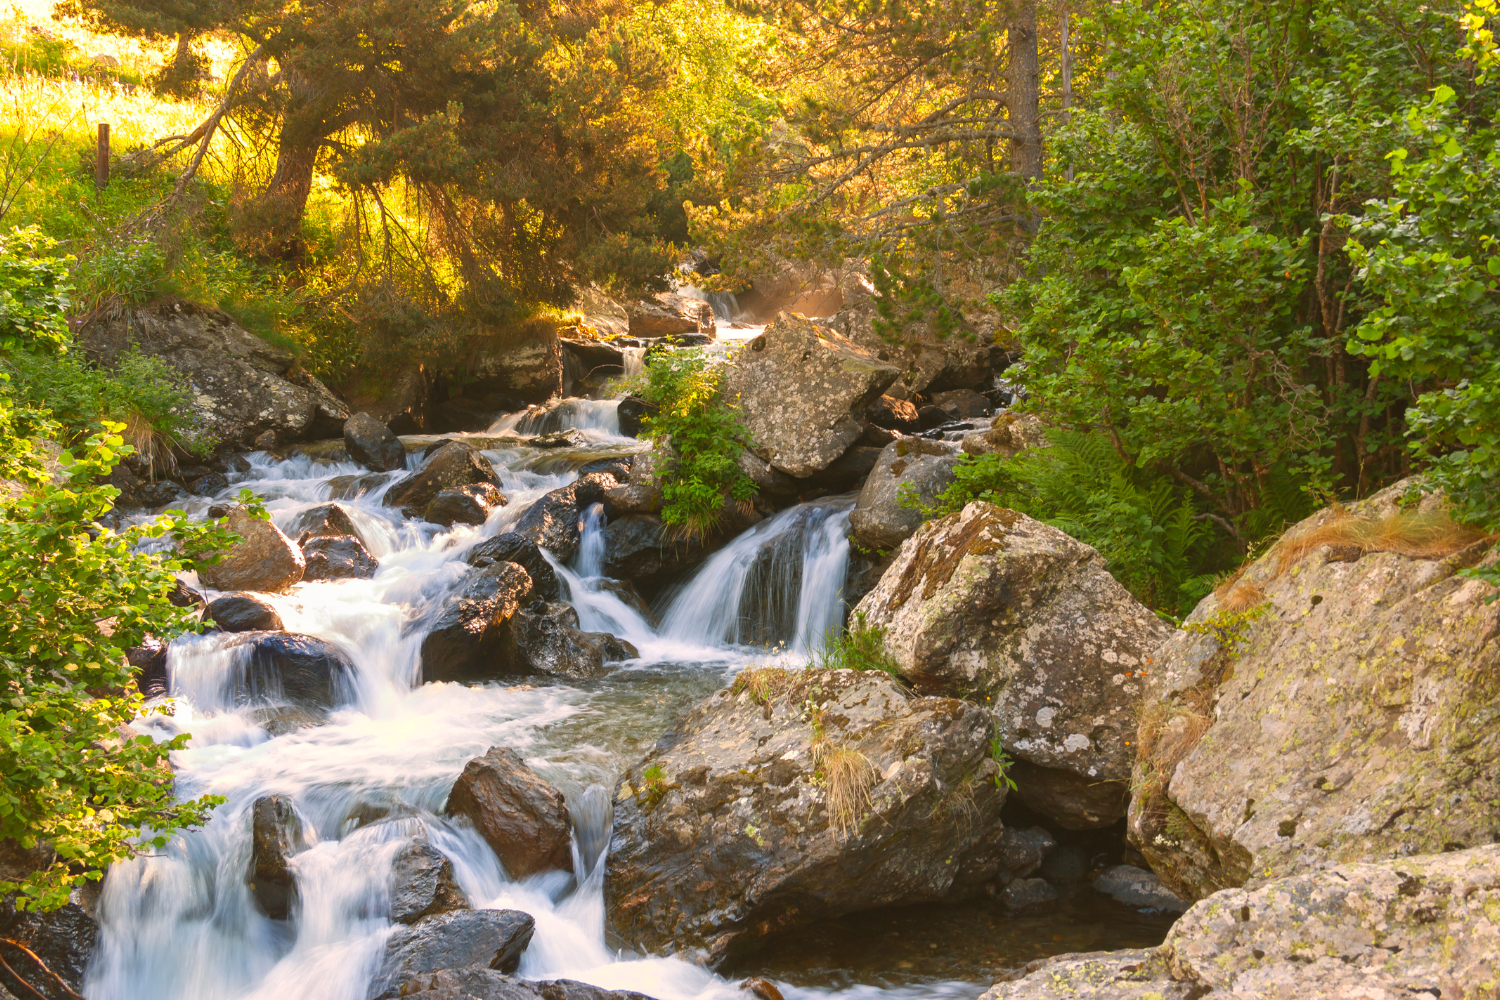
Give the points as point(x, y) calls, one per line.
point(1239, 260)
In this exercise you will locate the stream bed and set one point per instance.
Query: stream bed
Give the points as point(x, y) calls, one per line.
point(183, 925)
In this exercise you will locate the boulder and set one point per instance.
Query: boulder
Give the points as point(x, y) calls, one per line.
point(639, 547)
point(242, 386)
point(528, 366)
point(405, 403)
point(893, 414)
point(768, 479)
point(454, 464)
point(1023, 851)
point(962, 404)
point(329, 520)
point(1138, 888)
point(65, 939)
point(793, 796)
point(1424, 926)
point(617, 468)
point(354, 487)
point(468, 640)
point(275, 836)
point(878, 520)
point(464, 504)
point(243, 613)
point(338, 558)
point(422, 883)
point(991, 602)
point(1008, 435)
point(522, 817)
point(802, 392)
point(642, 494)
point(183, 596)
point(632, 411)
point(209, 484)
point(494, 939)
point(263, 559)
point(669, 314)
point(1029, 895)
point(1336, 703)
point(545, 639)
point(150, 662)
point(292, 667)
point(477, 983)
point(552, 522)
point(511, 547)
point(928, 363)
point(371, 444)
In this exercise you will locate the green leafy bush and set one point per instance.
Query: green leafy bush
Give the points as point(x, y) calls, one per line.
point(34, 292)
point(705, 434)
point(1147, 527)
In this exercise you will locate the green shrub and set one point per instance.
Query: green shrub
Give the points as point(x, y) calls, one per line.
point(705, 434)
point(1147, 528)
point(35, 292)
point(860, 647)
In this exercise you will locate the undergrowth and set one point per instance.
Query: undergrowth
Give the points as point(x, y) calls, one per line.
point(860, 647)
point(706, 437)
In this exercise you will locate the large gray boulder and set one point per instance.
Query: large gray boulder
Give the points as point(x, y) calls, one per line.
point(264, 559)
point(1419, 927)
point(1357, 717)
point(459, 939)
point(479, 983)
point(468, 640)
point(796, 795)
point(521, 816)
point(989, 602)
point(802, 391)
point(242, 386)
point(528, 366)
point(338, 558)
point(422, 883)
point(454, 464)
point(923, 468)
point(371, 443)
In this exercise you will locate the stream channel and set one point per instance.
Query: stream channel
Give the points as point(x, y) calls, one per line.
point(183, 925)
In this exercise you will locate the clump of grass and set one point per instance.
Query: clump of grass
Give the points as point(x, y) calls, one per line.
point(1416, 534)
point(848, 777)
point(765, 684)
point(861, 647)
point(1235, 594)
point(654, 785)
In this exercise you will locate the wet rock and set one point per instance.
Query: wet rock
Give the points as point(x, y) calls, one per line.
point(1138, 888)
point(422, 884)
point(1023, 851)
point(893, 414)
point(275, 836)
point(338, 558)
point(545, 639)
point(263, 559)
point(617, 469)
point(629, 596)
point(992, 602)
point(454, 464)
point(571, 437)
point(1135, 974)
point(183, 596)
point(159, 494)
point(642, 495)
point(243, 613)
point(931, 417)
point(354, 487)
point(761, 989)
point(150, 661)
point(469, 639)
point(371, 444)
point(633, 410)
point(298, 668)
point(65, 939)
point(266, 441)
point(242, 386)
point(1354, 721)
point(493, 939)
point(210, 485)
point(464, 505)
point(476, 983)
point(1074, 801)
point(529, 367)
point(639, 547)
point(1064, 865)
point(511, 547)
point(878, 519)
point(669, 314)
point(803, 391)
point(1029, 895)
point(726, 833)
point(961, 404)
point(1008, 435)
point(552, 522)
point(329, 520)
point(521, 816)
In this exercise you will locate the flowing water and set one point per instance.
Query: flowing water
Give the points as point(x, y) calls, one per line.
point(377, 770)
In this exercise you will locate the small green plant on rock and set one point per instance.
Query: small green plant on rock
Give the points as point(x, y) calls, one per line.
point(1002, 758)
point(654, 785)
point(860, 647)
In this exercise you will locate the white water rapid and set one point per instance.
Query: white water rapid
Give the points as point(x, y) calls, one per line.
point(183, 926)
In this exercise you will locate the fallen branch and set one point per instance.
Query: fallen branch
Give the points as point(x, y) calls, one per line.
point(58, 981)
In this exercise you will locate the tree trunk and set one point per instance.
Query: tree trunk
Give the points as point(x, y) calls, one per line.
point(1024, 95)
point(278, 209)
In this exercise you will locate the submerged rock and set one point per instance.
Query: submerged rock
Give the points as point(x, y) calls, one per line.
point(263, 559)
point(990, 602)
point(803, 391)
point(879, 520)
point(298, 668)
point(1354, 721)
point(492, 939)
point(422, 884)
point(1139, 888)
point(1029, 895)
point(336, 558)
point(243, 613)
point(464, 504)
point(454, 464)
point(792, 796)
point(520, 815)
point(371, 444)
point(275, 836)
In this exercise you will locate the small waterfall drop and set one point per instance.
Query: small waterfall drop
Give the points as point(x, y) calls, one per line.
point(724, 304)
point(601, 416)
point(635, 361)
point(589, 560)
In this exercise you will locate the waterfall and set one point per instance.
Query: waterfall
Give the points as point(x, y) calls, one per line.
point(780, 581)
point(589, 560)
point(725, 306)
point(635, 360)
point(601, 416)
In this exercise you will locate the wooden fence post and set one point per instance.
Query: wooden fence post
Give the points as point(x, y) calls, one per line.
point(101, 158)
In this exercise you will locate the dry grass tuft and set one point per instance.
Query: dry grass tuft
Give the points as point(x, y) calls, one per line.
point(766, 684)
point(850, 776)
point(1415, 534)
point(151, 446)
point(1168, 733)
